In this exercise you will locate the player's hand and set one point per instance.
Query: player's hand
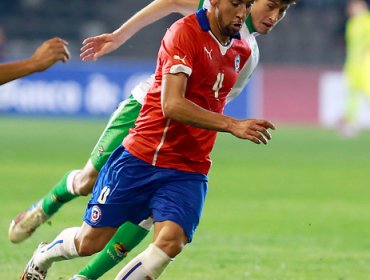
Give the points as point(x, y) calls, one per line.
point(49, 53)
point(95, 47)
point(253, 130)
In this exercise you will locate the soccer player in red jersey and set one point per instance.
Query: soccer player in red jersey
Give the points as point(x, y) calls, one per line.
point(265, 14)
point(46, 55)
point(162, 167)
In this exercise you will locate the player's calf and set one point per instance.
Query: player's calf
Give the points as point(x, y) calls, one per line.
point(91, 240)
point(169, 241)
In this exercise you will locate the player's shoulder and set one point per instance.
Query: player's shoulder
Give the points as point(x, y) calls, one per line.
point(188, 23)
point(183, 31)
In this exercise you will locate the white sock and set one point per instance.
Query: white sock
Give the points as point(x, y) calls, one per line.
point(62, 248)
point(70, 179)
point(150, 263)
point(147, 223)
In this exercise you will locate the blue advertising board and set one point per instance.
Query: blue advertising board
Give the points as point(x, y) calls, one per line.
point(84, 89)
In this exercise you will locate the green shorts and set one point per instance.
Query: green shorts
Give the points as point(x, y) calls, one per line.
point(116, 130)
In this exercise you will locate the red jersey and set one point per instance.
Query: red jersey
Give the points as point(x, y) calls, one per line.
point(189, 47)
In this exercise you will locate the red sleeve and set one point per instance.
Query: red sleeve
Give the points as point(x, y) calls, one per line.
point(178, 49)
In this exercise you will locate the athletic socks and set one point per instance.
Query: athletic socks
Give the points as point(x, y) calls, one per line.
point(62, 248)
point(61, 193)
point(127, 237)
point(150, 264)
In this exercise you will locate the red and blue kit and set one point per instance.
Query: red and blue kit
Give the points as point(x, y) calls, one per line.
point(189, 47)
point(161, 170)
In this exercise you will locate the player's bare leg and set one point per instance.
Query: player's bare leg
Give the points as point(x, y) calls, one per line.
point(169, 240)
point(89, 240)
point(74, 183)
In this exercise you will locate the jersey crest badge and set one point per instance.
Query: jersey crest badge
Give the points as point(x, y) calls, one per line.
point(95, 214)
point(237, 63)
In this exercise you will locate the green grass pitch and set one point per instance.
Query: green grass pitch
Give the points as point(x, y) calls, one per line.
point(296, 209)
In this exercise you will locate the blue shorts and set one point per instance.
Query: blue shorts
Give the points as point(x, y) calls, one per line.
point(129, 189)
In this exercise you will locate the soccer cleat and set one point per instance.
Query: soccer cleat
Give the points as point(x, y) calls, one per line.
point(79, 277)
point(26, 223)
point(32, 271)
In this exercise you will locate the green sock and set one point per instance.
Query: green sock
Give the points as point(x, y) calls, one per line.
point(127, 237)
point(58, 195)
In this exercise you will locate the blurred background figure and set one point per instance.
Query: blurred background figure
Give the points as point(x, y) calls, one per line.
point(357, 63)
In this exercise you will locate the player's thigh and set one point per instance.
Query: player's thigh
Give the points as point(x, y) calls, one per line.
point(180, 199)
point(117, 129)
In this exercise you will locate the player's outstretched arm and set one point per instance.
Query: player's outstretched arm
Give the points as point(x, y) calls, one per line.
point(46, 55)
point(95, 47)
point(175, 106)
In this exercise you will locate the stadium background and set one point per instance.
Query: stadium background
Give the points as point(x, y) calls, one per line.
point(296, 209)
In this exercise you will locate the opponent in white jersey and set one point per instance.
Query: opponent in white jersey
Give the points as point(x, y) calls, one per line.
point(264, 16)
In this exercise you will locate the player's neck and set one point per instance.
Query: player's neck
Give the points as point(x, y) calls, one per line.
point(216, 29)
point(249, 24)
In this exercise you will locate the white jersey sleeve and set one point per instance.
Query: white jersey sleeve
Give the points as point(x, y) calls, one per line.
point(139, 92)
point(204, 4)
point(246, 73)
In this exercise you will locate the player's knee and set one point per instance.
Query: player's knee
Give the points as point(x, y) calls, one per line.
point(88, 246)
point(85, 190)
point(84, 183)
point(86, 250)
point(169, 237)
point(91, 240)
point(171, 246)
